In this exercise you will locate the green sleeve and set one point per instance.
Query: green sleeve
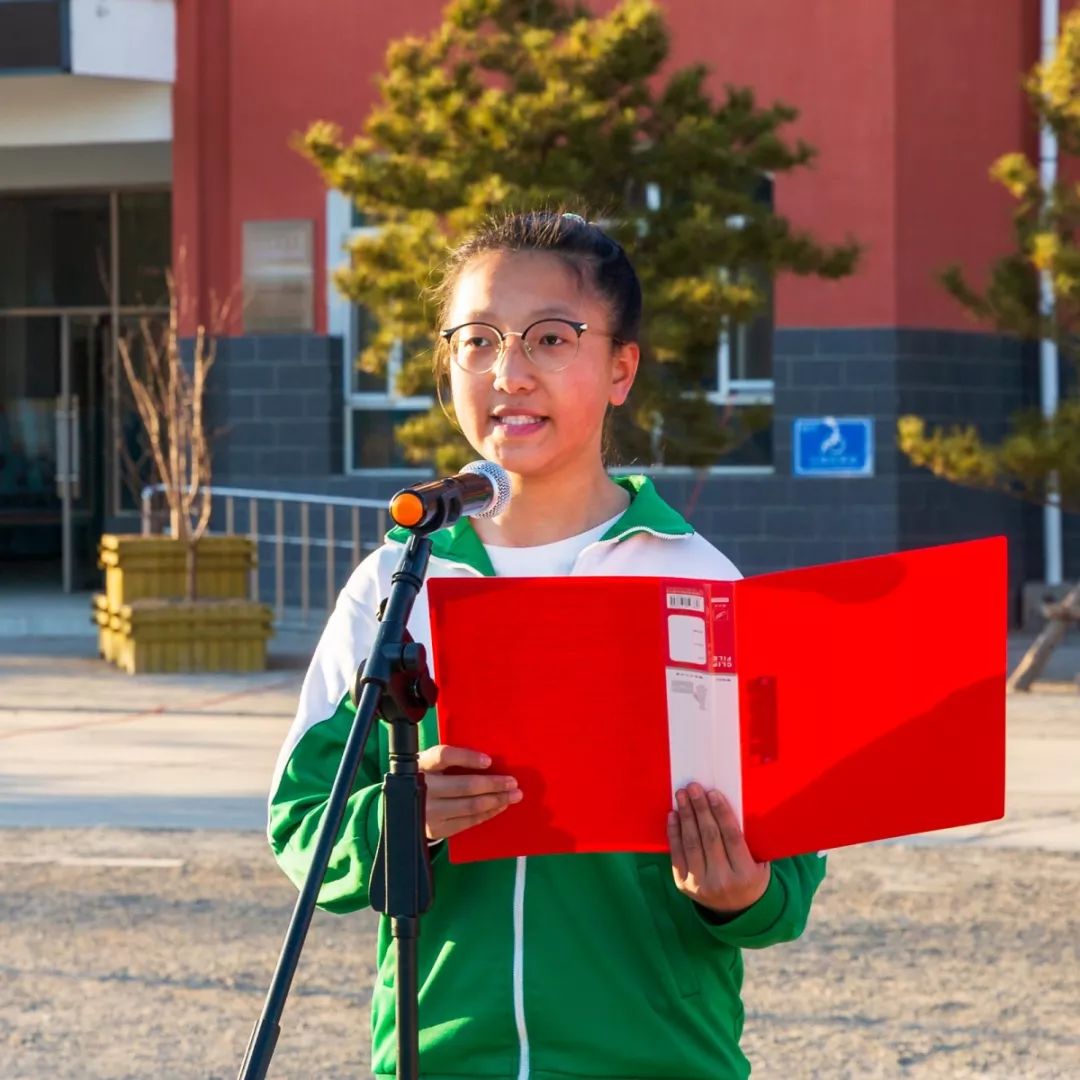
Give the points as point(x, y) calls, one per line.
point(298, 805)
point(782, 911)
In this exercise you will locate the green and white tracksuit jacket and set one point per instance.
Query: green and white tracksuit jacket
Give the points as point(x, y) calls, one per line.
point(543, 968)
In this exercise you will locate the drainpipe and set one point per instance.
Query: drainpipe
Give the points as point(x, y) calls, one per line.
point(1048, 353)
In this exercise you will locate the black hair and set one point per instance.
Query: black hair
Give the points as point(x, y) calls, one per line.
point(584, 247)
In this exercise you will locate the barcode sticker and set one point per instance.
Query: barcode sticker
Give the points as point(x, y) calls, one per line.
point(682, 601)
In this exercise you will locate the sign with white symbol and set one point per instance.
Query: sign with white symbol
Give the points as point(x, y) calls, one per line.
point(833, 446)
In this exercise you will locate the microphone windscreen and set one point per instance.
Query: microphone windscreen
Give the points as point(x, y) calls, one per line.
point(500, 482)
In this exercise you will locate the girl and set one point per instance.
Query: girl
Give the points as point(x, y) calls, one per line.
point(612, 965)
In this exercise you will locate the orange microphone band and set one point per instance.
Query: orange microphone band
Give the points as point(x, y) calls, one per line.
point(407, 509)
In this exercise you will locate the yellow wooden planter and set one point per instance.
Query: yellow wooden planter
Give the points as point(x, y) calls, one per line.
point(144, 567)
point(145, 625)
point(108, 625)
point(156, 636)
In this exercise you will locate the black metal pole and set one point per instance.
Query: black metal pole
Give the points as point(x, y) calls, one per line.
point(401, 885)
point(406, 940)
point(393, 659)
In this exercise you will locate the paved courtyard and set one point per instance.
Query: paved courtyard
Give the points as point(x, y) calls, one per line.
point(142, 914)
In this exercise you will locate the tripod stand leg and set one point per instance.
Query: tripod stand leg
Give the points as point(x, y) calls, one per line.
point(396, 669)
point(260, 1048)
point(406, 931)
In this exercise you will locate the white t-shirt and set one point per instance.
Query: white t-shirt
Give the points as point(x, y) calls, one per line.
point(545, 560)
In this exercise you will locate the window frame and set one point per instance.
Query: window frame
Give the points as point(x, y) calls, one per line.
point(341, 322)
point(62, 9)
point(729, 390)
point(745, 391)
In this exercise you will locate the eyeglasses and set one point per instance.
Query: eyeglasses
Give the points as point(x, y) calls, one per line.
point(551, 344)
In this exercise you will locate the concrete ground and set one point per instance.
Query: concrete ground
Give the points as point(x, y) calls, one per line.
point(142, 913)
point(81, 743)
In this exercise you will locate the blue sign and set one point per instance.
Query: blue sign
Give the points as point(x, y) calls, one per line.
point(834, 446)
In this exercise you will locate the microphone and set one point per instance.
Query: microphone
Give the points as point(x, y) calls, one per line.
point(481, 489)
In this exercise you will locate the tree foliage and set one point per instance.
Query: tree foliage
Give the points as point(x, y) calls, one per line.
point(528, 104)
point(1045, 223)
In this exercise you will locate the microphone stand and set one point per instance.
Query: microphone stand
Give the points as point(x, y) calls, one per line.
point(394, 683)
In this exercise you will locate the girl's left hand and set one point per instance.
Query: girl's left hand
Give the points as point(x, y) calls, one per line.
point(709, 857)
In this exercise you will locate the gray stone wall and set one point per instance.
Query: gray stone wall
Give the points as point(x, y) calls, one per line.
point(278, 402)
point(780, 521)
point(970, 378)
point(281, 399)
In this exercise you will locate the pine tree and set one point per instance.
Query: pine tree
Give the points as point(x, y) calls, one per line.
point(1039, 459)
point(529, 104)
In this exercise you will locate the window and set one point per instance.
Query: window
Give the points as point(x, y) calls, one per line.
point(741, 391)
point(744, 361)
point(34, 36)
point(55, 250)
point(744, 356)
point(744, 386)
point(144, 223)
point(373, 407)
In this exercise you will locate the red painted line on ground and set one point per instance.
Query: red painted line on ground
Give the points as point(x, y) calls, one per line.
point(157, 710)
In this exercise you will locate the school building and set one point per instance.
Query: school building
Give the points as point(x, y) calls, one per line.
point(139, 133)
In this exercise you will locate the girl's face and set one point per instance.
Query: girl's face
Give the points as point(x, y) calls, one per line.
point(563, 410)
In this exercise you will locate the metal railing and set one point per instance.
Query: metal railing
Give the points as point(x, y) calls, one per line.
point(324, 537)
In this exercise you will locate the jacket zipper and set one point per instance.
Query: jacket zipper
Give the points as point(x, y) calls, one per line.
point(622, 536)
point(518, 908)
point(518, 972)
point(519, 969)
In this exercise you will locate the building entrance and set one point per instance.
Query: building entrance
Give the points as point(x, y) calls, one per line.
point(77, 271)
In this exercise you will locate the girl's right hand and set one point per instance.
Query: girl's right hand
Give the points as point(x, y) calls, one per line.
point(455, 803)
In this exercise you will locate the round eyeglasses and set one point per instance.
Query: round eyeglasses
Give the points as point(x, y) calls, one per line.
point(551, 344)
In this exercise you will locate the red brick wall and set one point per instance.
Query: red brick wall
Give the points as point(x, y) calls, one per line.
point(908, 102)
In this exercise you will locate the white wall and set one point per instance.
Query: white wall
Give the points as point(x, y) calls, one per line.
point(125, 39)
point(62, 110)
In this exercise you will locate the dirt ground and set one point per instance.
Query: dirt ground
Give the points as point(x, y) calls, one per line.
point(132, 954)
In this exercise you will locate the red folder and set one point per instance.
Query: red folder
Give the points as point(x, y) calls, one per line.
point(832, 705)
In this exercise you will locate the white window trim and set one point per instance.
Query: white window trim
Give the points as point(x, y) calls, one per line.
point(340, 322)
point(743, 391)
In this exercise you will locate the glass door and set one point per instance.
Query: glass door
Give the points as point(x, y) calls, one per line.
point(51, 424)
point(75, 269)
point(80, 426)
point(30, 533)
